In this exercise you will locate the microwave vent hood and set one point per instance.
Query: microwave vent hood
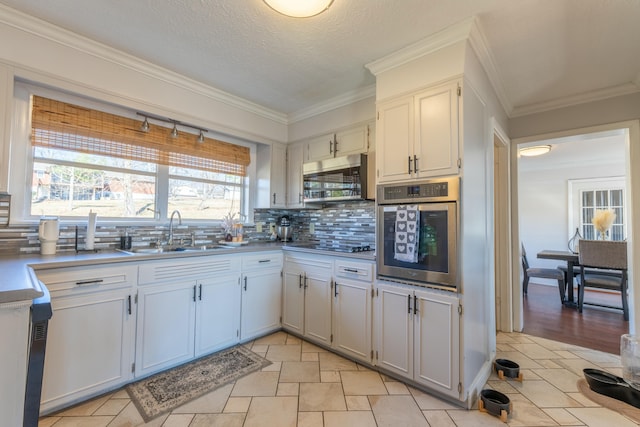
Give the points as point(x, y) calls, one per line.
point(339, 179)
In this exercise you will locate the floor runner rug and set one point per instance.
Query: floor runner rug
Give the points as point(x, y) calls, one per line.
point(167, 390)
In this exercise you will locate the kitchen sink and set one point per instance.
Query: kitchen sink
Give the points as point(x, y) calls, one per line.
point(169, 249)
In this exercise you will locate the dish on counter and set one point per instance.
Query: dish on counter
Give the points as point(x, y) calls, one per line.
point(224, 242)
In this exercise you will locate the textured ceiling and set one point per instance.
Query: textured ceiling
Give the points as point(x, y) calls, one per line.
point(543, 50)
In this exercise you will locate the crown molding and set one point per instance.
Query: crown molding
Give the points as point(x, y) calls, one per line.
point(479, 44)
point(450, 35)
point(569, 101)
point(333, 103)
point(43, 29)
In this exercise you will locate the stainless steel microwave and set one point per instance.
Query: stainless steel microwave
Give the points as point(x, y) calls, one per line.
point(339, 179)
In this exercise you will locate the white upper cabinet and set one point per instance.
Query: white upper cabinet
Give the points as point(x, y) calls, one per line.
point(271, 175)
point(349, 141)
point(295, 158)
point(418, 134)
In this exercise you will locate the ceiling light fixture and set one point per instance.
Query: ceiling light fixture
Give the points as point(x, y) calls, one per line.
point(536, 150)
point(298, 8)
point(201, 136)
point(145, 127)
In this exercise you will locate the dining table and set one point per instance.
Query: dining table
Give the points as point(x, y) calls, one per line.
point(572, 260)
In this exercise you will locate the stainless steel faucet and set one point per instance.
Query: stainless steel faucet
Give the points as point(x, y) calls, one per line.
point(170, 242)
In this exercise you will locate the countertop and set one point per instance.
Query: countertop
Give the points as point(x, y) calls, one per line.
point(19, 282)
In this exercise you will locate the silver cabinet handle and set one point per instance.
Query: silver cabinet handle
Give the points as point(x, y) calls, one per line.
point(300, 281)
point(415, 163)
point(245, 283)
point(409, 304)
point(415, 304)
point(409, 164)
point(89, 282)
point(129, 305)
point(351, 270)
point(264, 260)
point(335, 145)
point(330, 147)
point(274, 198)
point(335, 289)
point(194, 293)
point(200, 293)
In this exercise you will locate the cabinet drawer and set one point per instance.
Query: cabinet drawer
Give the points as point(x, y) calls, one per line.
point(354, 270)
point(184, 268)
point(89, 279)
point(264, 260)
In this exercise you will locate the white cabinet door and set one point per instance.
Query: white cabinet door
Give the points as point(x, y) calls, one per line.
point(261, 300)
point(217, 323)
point(278, 181)
point(351, 141)
point(89, 346)
point(436, 143)
point(295, 158)
point(317, 305)
point(293, 300)
point(352, 318)
point(166, 326)
point(394, 317)
point(437, 342)
point(320, 148)
point(394, 145)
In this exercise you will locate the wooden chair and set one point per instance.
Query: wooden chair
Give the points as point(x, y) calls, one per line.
point(542, 273)
point(603, 265)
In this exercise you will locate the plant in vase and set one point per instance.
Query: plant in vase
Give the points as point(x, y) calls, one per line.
point(229, 222)
point(602, 221)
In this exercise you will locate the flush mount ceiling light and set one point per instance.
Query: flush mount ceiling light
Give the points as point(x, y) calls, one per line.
point(299, 8)
point(536, 150)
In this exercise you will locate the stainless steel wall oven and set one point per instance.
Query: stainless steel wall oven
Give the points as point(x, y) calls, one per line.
point(417, 232)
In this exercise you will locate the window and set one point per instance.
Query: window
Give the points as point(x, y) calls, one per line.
point(598, 194)
point(83, 159)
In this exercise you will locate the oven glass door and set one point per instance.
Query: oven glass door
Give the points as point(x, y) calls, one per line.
point(436, 245)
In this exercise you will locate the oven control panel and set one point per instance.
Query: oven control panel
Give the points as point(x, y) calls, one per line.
point(432, 190)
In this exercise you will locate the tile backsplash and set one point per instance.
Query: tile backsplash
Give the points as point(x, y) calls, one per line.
point(340, 225)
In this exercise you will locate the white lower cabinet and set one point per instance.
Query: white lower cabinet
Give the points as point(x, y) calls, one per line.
point(90, 338)
point(418, 336)
point(352, 297)
point(166, 326)
point(307, 294)
point(261, 294)
point(186, 308)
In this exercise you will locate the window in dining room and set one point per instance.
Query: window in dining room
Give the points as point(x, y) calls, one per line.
point(590, 196)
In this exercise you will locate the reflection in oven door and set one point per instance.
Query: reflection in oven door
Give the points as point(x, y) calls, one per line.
point(436, 245)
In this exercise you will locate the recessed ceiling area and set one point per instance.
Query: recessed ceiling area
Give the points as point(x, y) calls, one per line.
point(545, 53)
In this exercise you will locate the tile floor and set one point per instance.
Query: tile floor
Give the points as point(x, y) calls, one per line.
point(306, 386)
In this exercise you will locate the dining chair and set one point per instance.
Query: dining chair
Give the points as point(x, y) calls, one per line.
point(603, 265)
point(542, 273)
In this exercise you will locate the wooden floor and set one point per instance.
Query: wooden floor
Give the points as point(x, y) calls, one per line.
point(596, 328)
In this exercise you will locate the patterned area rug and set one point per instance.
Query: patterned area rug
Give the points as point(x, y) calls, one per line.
point(167, 390)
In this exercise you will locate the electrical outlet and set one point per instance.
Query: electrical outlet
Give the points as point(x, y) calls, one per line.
point(258, 227)
point(272, 228)
point(312, 227)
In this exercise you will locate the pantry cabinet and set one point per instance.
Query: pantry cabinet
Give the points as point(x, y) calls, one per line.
point(418, 336)
point(418, 134)
point(90, 342)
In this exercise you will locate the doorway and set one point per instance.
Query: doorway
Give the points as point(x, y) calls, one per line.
point(543, 215)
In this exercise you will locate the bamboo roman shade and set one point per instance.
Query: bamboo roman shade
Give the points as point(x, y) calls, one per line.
point(64, 126)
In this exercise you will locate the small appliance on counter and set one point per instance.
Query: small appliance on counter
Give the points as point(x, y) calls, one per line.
point(48, 232)
point(284, 229)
